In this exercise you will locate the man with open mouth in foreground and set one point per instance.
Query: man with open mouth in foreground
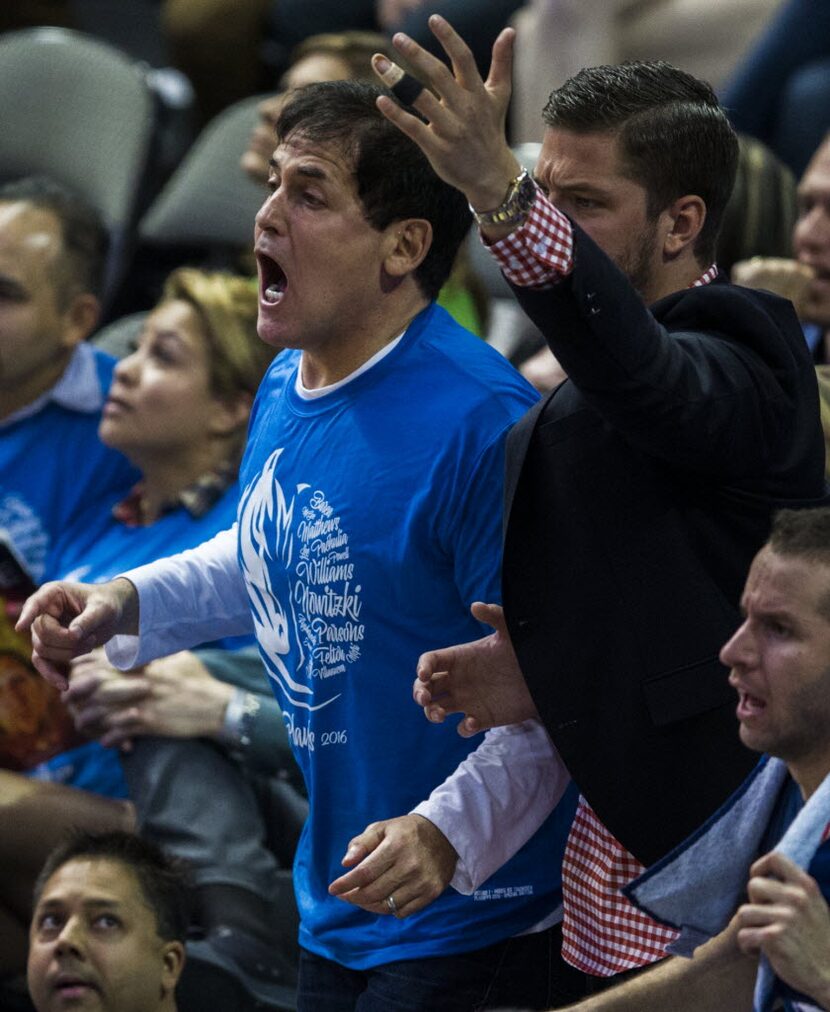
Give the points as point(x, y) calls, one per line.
point(369, 522)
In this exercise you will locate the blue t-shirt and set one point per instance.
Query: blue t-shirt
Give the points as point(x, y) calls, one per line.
point(94, 556)
point(369, 522)
point(53, 469)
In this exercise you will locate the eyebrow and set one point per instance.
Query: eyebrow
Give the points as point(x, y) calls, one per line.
point(779, 614)
point(91, 902)
point(311, 171)
point(585, 187)
point(577, 186)
point(165, 336)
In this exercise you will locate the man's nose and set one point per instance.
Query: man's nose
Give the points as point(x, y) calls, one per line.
point(271, 215)
point(739, 650)
point(70, 939)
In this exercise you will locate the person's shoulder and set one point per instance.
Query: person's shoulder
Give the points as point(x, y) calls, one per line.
point(283, 366)
point(470, 369)
point(749, 316)
point(275, 380)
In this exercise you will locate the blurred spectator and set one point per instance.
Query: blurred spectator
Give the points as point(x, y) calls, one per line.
point(228, 49)
point(178, 409)
point(217, 44)
point(52, 384)
point(781, 92)
point(479, 21)
point(558, 37)
point(761, 213)
point(335, 56)
point(805, 280)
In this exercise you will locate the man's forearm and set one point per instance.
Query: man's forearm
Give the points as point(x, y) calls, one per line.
point(194, 597)
point(718, 977)
point(492, 804)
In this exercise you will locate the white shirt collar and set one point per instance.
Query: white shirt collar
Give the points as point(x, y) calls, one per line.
point(313, 394)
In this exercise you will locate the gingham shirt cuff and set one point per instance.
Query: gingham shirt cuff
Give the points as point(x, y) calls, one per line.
point(540, 252)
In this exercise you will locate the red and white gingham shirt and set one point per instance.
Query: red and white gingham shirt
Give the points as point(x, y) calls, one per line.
point(602, 933)
point(540, 252)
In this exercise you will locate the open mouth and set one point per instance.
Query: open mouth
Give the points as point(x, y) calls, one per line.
point(272, 279)
point(749, 706)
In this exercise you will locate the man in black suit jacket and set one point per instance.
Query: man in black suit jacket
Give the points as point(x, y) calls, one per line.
point(640, 489)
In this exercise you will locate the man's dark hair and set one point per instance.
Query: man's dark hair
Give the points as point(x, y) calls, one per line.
point(674, 137)
point(85, 238)
point(804, 534)
point(394, 178)
point(164, 881)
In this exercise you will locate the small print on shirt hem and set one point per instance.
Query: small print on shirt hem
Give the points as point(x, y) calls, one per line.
point(502, 893)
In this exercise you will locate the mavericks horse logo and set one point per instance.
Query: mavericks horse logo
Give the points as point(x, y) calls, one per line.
point(266, 547)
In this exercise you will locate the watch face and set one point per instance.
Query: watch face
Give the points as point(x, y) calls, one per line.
point(525, 193)
point(516, 204)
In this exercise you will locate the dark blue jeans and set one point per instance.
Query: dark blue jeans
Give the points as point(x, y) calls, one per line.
point(525, 972)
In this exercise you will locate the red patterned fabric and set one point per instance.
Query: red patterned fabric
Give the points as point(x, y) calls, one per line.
point(197, 498)
point(540, 252)
point(603, 933)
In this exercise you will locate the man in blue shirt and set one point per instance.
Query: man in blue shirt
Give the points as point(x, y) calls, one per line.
point(369, 522)
point(53, 467)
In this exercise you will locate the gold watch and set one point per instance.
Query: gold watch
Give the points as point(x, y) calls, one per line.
point(514, 208)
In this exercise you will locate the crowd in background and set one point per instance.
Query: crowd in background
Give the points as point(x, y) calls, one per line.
point(137, 458)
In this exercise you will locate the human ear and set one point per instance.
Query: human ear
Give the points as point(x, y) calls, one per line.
point(686, 216)
point(409, 243)
point(80, 318)
point(172, 965)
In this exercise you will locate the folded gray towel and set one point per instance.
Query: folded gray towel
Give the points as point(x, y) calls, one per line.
point(699, 885)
